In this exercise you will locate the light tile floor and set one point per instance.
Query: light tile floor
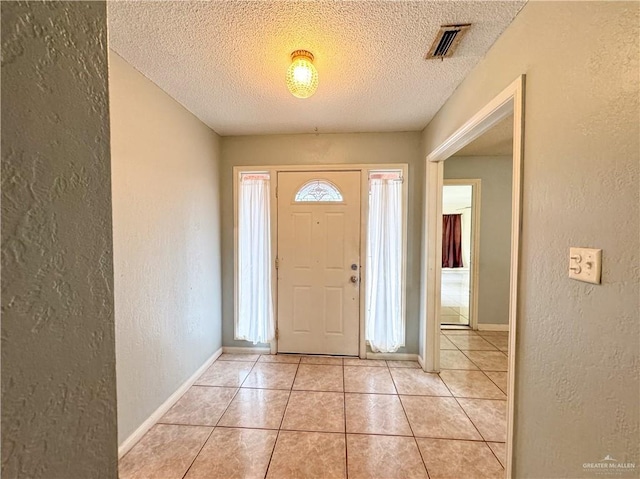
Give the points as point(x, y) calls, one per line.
point(289, 416)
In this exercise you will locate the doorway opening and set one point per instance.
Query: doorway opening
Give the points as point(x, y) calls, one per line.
point(460, 214)
point(488, 344)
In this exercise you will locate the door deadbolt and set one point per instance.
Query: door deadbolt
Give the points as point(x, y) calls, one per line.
point(354, 267)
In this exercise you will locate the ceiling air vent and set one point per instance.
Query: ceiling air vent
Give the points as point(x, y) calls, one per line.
point(447, 40)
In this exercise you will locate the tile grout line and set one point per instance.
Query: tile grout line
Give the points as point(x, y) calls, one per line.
point(221, 415)
point(479, 368)
point(465, 412)
point(422, 457)
point(486, 442)
point(238, 387)
point(488, 377)
point(474, 424)
point(472, 361)
point(273, 450)
point(495, 455)
point(413, 434)
point(199, 451)
point(337, 432)
point(344, 405)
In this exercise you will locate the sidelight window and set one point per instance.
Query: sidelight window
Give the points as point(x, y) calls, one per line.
point(384, 273)
point(255, 316)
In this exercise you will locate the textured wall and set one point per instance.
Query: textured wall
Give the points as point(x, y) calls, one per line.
point(58, 357)
point(578, 344)
point(322, 150)
point(495, 230)
point(166, 241)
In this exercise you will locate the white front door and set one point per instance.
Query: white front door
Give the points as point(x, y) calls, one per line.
point(319, 262)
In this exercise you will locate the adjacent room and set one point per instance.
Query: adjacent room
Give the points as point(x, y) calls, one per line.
point(320, 239)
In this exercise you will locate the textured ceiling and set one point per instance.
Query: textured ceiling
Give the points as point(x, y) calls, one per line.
point(226, 60)
point(498, 141)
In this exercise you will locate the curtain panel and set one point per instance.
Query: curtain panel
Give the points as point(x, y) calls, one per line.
point(384, 328)
point(255, 297)
point(452, 241)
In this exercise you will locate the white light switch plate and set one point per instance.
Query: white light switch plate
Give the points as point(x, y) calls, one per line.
point(585, 264)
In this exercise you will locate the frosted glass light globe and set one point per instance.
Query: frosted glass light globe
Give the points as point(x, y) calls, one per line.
point(302, 76)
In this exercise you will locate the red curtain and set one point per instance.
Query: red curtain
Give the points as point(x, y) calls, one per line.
point(452, 241)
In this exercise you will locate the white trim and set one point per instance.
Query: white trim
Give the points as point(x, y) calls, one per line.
point(493, 327)
point(476, 189)
point(243, 350)
point(274, 255)
point(131, 441)
point(518, 91)
point(496, 110)
point(393, 356)
point(364, 216)
point(364, 169)
point(510, 100)
point(405, 248)
point(420, 361)
point(432, 237)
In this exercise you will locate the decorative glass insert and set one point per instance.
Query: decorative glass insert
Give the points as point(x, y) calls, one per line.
point(318, 190)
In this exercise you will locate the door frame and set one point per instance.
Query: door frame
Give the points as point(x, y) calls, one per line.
point(364, 170)
point(509, 101)
point(474, 254)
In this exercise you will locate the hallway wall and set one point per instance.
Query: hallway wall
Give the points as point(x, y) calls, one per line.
point(325, 149)
point(58, 347)
point(166, 233)
point(578, 344)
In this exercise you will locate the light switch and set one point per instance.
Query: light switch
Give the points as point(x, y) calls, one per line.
point(585, 264)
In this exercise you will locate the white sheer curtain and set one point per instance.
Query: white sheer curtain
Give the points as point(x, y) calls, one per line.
point(255, 299)
point(384, 323)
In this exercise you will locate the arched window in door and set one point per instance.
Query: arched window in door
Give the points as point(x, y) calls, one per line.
point(318, 191)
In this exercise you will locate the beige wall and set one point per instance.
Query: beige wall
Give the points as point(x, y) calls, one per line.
point(58, 346)
point(321, 150)
point(495, 230)
point(166, 233)
point(577, 358)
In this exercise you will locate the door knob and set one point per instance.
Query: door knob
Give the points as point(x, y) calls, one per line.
point(354, 279)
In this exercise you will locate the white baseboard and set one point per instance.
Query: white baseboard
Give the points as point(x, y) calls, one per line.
point(420, 361)
point(241, 350)
point(393, 356)
point(493, 327)
point(131, 441)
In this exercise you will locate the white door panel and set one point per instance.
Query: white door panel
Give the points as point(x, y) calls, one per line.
point(318, 242)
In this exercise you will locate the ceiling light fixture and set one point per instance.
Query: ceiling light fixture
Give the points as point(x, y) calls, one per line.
point(302, 76)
